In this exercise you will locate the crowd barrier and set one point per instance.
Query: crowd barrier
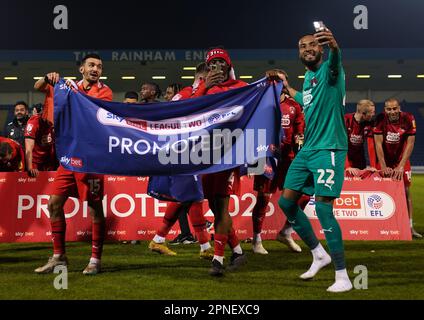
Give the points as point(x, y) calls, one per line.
point(370, 209)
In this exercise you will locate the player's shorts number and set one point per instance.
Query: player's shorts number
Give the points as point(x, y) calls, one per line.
point(322, 173)
point(94, 185)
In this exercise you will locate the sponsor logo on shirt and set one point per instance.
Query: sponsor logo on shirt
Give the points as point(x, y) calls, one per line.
point(285, 120)
point(393, 137)
point(356, 139)
point(307, 97)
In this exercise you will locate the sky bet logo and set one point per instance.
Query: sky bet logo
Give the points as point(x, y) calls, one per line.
point(73, 162)
point(114, 117)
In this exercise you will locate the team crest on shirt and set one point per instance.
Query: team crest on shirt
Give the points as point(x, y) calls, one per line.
point(292, 110)
point(314, 82)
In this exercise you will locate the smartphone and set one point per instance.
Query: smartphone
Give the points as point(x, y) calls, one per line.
point(319, 26)
point(216, 67)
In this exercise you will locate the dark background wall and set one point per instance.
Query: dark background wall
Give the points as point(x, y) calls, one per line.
point(200, 24)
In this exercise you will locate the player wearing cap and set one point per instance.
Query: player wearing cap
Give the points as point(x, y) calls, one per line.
point(394, 135)
point(218, 187)
point(84, 186)
point(186, 195)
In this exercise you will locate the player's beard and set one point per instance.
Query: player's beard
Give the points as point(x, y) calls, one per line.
point(92, 78)
point(394, 118)
point(312, 63)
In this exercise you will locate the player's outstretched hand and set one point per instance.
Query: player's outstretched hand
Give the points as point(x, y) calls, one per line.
point(326, 37)
point(213, 78)
point(33, 173)
point(353, 171)
point(52, 78)
point(398, 173)
point(387, 172)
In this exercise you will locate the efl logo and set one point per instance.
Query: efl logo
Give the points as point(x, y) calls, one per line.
point(375, 202)
point(76, 162)
point(348, 201)
point(214, 118)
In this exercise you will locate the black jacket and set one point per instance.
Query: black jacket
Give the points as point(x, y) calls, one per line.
point(16, 131)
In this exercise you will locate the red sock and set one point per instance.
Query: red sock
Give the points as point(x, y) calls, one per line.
point(58, 236)
point(303, 201)
point(219, 244)
point(198, 222)
point(98, 237)
point(259, 212)
point(171, 216)
point(233, 240)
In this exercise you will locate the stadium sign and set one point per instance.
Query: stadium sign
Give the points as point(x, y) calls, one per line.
point(360, 205)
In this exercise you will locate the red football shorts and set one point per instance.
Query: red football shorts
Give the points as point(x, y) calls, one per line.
point(407, 174)
point(265, 185)
point(85, 186)
point(44, 166)
point(224, 183)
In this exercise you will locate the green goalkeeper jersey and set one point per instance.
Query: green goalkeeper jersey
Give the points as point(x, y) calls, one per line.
point(323, 101)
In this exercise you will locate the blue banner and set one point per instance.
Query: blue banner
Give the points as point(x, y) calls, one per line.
point(195, 136)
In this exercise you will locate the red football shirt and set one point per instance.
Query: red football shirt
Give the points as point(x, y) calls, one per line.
point(98, 90)
point(17, 161)
point(224, 86)
point(395, 135)
point(185, 93)
point(292, 122)
point(41, 131)
point(357, 133)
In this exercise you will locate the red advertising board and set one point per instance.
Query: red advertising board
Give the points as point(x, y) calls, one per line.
point(371, 209)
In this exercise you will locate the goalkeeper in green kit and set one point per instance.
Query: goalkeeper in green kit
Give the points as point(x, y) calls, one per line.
point(319, 166)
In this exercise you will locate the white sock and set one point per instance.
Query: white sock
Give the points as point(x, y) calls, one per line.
point(342, 275)
point(94, 261)
point(159, 239)
point(57, 255)
point(288, 231)
point(320, 260)
point(318, 252)
point(205, 246)
point(257, 238)
point(238, 249)
point(219, 259)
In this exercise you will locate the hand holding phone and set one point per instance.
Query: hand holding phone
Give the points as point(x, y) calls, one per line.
point(216, 68)
point(319, 26)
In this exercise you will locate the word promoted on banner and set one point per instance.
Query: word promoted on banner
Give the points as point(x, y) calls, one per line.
point(372, 209)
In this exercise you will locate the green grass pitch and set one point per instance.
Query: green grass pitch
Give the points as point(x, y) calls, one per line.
point(395, 271)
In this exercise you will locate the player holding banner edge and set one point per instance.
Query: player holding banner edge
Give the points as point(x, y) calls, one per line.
point(319, 166)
